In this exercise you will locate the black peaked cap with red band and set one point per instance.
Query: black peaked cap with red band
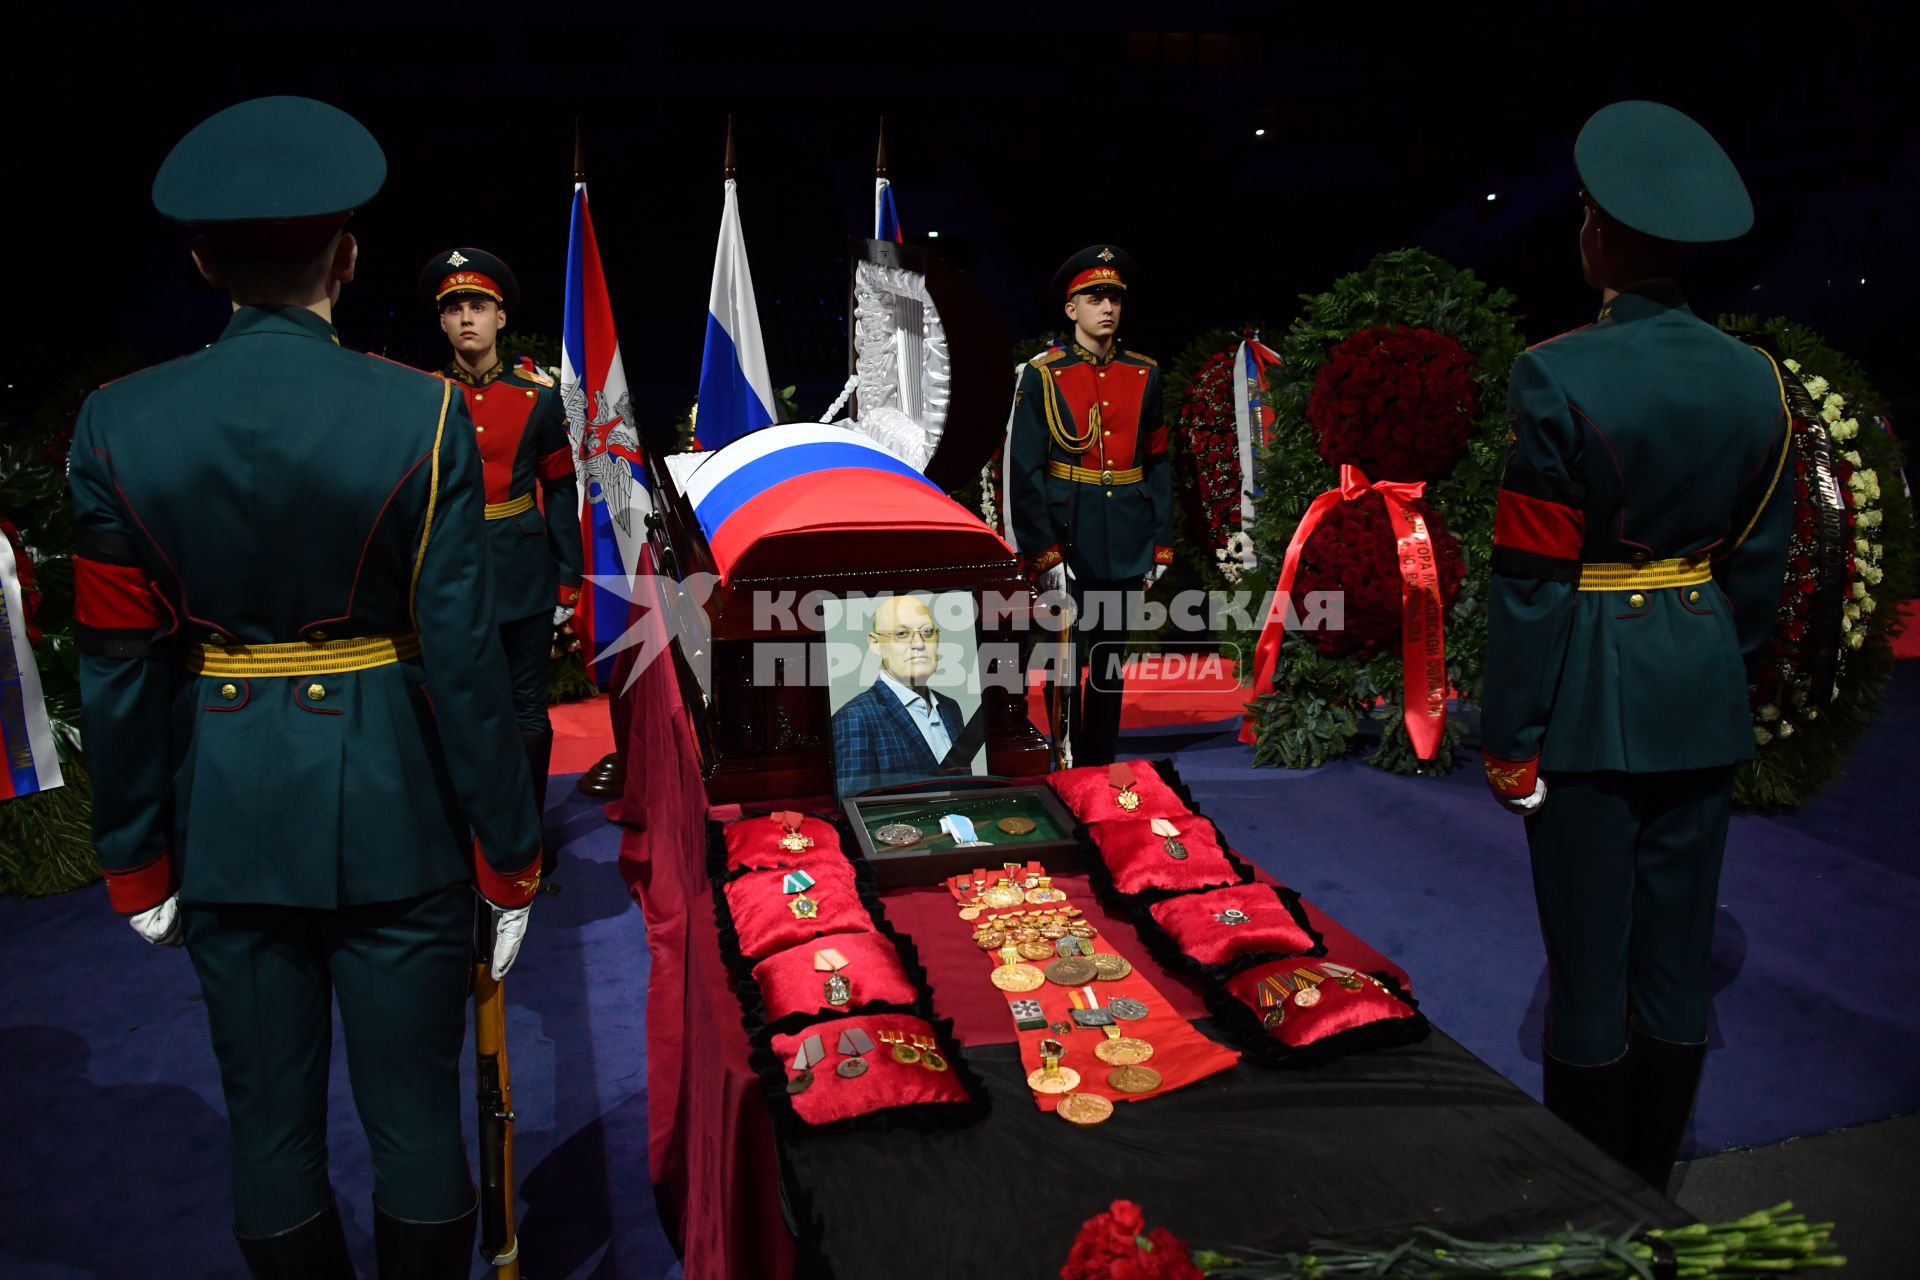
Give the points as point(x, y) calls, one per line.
point(469, 271)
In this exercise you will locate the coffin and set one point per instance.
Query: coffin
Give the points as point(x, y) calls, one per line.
point(856, 506)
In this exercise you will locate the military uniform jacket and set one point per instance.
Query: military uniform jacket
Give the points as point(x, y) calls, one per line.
point(522, 432)
point(1647, 437)
point(1090, 481)
point(276, 488)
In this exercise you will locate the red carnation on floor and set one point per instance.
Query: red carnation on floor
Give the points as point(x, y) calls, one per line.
point(1116, 1245)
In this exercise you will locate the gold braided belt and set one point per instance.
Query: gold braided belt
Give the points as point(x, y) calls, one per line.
point(302, 657)
point(511, 507)
point(1649, 576)
point(1088, 475)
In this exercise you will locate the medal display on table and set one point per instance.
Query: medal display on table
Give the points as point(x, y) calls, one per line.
point(898, 834)
point(1015, 826)
point(961, 829)
point(1016, 976)
point(1134, 1079)
point(837, 989)
point(1171, 846)
point(1084, 1108)
point(1127, 1009)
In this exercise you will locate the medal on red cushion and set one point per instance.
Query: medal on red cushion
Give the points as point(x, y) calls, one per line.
point(1120, 778)
point(1232, 916)
point(811, 1052)
point(1167, 831)
point(804, 908)
point(1309, 994)
point(1274, 990)
point(830, 961)
point(853, 1043)
point(796, 882)
point(903, 1053)
point(1345, 976)
point(792, 841)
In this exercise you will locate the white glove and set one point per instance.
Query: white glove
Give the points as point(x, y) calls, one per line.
point(1054, 579)
point(161, 925)
point(1154, 575)
point(561, 613)
point(509, 930)
point(1524, 805)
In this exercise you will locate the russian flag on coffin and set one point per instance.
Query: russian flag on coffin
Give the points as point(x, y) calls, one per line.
point(789, 498)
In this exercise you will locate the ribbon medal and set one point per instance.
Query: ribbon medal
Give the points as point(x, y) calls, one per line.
point(830, 962)
point(796, 882)
point(853, 1043)
point(1120, 777)
point(792, 841)
point(961, 829)
point(1167, 831)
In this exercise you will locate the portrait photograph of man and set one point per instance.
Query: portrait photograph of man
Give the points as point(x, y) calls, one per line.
point(909, 707)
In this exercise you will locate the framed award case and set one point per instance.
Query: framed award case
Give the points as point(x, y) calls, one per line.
point(909, 837)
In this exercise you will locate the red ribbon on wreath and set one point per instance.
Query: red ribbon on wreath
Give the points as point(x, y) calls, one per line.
point(1423, 644)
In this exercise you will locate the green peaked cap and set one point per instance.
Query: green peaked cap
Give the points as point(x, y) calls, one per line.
point(277, 159)
point(1656, 170)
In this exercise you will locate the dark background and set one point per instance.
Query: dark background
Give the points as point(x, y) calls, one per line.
point(1019, 133)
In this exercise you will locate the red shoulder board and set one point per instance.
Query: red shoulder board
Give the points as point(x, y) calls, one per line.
point(532, 372)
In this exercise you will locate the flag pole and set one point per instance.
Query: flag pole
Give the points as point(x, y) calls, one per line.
point(579, 156)
point(880, 157)
point(729, 171)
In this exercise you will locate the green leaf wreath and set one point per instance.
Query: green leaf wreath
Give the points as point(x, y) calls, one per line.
point(1313, 714)
point(1802, 749)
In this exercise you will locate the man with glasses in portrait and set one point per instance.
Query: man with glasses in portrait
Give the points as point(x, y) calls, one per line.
point(899, 729)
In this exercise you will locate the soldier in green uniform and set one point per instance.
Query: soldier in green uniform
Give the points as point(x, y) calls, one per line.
point(1639, 549)
point(1089, 485)
point(295, 700)
point(522, 434)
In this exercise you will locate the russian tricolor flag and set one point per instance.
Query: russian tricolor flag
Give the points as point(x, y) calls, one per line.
point(886, 218)
point(28, 760)
point(736, 395)
point(614, 499)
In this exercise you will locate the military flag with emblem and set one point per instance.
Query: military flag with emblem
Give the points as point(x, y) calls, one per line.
point(593, 387)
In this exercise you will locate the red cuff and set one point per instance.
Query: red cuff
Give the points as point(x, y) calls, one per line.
point(142, 888)
point(1045, 560)
point(505, 889)
point(1163, 555)
point(569, 596)
point(1511, 779)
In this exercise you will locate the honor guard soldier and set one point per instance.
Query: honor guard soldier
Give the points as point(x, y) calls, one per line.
point(522, 432)
point(1639, 550)
point(1089, 484)
point(294, 698)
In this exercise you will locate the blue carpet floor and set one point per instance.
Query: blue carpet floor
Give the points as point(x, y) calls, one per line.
point(115, 1158)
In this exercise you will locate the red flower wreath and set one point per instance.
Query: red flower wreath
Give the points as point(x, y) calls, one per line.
point(1210, 464)
point(1354, 551)
point(1398, 403)
point(1116, 1245)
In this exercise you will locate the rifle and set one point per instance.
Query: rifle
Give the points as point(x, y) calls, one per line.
point(499, 1242)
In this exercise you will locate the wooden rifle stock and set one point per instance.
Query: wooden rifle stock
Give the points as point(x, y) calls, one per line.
point(493, 1088)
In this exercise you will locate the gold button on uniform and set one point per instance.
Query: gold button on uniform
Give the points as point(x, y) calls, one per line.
point(479, 395)
point(229, 692)
point(318, 637)
point(1636, 601)
point(316, 692)
point(531, 394)
point(482, 430)
point(1693, 597)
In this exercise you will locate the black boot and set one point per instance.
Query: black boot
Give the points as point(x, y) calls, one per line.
point(314, 1250)
point(1592, 1100)
point(424, 1250)
point(1662, 1078)
point(539, 747)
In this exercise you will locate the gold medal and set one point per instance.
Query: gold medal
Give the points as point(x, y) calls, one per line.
point(969, 913)
point(1307, 997)
point(804, 908)
point(1072, 972)
point(1123, 1051)
point(1134, 1079)
point(1063, 1080)
point(1109, 967)
point(1015, 826)
point(1350, 982)
point(1273, 1017)
point(1127, 799)
point(991, 940)
point(1084, 1108)
point(1003, 895)
point(1036, 950)
point(1018, 978)
point(794, 842)
point(903, 1053)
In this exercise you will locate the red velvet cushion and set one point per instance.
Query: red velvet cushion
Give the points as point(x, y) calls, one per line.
point(1271, 926)
point(755, 842)
point(1089, 794)
point(1138, 861)
point(790, 984)
point(766, 924)
point(886, 1083)
point(1337, 1010)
